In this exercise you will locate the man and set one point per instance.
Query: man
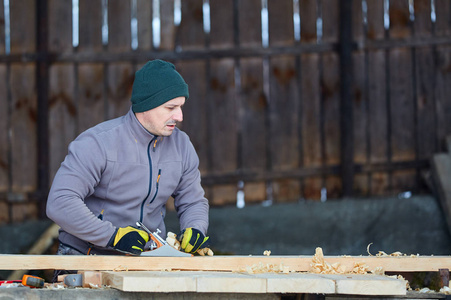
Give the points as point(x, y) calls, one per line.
point(124, 170)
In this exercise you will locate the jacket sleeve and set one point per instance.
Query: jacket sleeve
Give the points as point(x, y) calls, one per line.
point(189, 200)
point(76, 179)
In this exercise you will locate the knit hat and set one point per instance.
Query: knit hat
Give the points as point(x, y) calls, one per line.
point(156, 83)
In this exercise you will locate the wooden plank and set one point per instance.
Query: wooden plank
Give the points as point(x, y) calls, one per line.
point(23, 26)
point(215, 263)
point(195, 108)
point(60, 26)
point(402, 105)
point(223, 116)
point(367, 285)
point(191, 31)
point(443, 24)
point(5, 164)
point(119, 32)
point(330, 16)
point(23, 128)
point(2, 28)
point(225, 282)
point(90, 25)
point(281, 29)
point(308, 12)
point(144, 17)
point(162, 282)
point(168, 27)
point(254, 105)
point(250, 33)
point(441, 176)
point(119, 88)
point(62, 113)
point(442, 91)
point(221, 12)
point(298, 283)
point(399, 19)
point(91, 104)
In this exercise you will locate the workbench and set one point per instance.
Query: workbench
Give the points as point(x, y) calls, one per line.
point(236, 275)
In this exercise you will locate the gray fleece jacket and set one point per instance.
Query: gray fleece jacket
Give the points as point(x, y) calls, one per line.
point(117, 173)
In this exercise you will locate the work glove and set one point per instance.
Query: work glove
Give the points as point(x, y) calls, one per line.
point(191, 240)
point(129, 240)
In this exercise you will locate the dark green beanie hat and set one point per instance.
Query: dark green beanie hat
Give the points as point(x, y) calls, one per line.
point(156, 83)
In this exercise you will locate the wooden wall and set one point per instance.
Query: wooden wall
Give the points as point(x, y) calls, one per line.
point(269, 115)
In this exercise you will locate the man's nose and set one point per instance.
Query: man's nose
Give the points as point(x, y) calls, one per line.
point(178, 116)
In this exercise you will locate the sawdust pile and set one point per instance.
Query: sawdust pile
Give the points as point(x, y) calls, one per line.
point(394, 254)
point(320, 266)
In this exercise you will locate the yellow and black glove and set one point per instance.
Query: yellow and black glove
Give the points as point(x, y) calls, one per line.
point(129, 240)
point(191, 240)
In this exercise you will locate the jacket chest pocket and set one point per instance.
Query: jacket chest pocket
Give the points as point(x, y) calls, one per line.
point(170, 175)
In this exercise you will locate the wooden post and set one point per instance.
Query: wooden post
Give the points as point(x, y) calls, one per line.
point(42, 83)
point(346, 111)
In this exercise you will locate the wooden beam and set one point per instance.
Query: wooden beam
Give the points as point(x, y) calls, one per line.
point(226, 282)
point(215, 263)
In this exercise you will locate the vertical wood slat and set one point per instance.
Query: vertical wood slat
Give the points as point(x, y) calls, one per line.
point(346, 107)
point(144, 16)
point(23, 97)
point(119, 17)
point(23, 128)
point(221, 12)
point(191, 31)
point(23, 24)
point(5, 164)
point(2, 29)
point(90, 26)
point(62, 105)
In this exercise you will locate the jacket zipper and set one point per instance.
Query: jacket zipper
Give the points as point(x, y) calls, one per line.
point(156, 190)
point(150, 176)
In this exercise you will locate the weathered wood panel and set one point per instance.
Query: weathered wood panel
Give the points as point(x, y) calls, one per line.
point(119, 17)
point(168, 28)
point(23, 128)
point(119, 89)
point(60, 26)
point(4, 129)
point(281, 29)
point(23, 26)
point(195, 109)
point(144, 18)
point(249, 14)
point(308, 12)
point(90, 26)
point(62, 113)
point(191, 31)
point(221, 13)
point(90, 95)
point(2, 29)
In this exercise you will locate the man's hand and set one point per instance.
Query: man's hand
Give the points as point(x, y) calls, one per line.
point(191, 239)
point(129, 240)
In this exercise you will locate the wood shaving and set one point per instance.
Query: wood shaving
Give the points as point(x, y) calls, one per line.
point(266, 268)
point(172, 241)
point(383, 254)
point(320, 266)
point(120, 268)
point(205, 251)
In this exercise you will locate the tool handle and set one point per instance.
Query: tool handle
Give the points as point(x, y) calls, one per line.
point(33, 281)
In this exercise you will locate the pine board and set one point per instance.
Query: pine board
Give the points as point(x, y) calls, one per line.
point(215, 263)
point(225, 282)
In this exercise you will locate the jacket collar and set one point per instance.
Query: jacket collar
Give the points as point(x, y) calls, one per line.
point(139, 132)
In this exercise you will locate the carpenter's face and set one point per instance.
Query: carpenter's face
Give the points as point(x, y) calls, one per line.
point(161, 120)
